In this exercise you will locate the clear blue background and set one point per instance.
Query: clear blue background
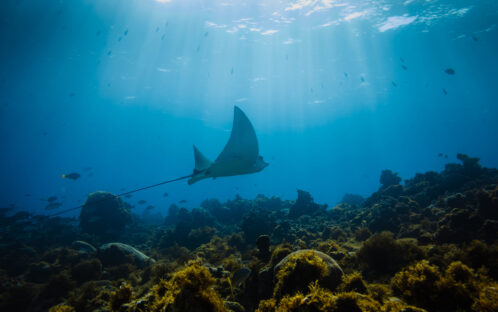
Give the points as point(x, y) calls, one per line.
point(76, 92)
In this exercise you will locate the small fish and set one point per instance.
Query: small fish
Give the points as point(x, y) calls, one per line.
point(362, 79)
point(475, 38)
point(163, 36)
point(52, 206)
point(72, 94)
point(183, 201)
point(165, 194)
point(119, 39)
point(71, 176)
point(44, 133)
point(450, 71)
point(404, 67)
point(157, 29)
point(402, 60)
point(125, 32)
point(128, 196)
point(206, 34)
point(166, 25)
point(345, 74)
point(446, 156)
point(141, 202)
point(27, 195)
point(98, 33)
point(198, 48)
point(394, 84)
point(109, 53)
point(444, 91)
point(440, 155)
point(90, 174)
point(150, 207)
point(311, 90)
point(51, 199)
point(231, 71)
point(240, 276)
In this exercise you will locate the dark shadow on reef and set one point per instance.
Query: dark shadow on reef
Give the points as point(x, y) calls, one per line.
point(428, 244)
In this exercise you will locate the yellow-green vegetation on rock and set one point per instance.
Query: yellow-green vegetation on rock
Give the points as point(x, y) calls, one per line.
point(280, 252)
point(188, 290)
point(319, 299)
point(399, 306)
point(423, 285)
point(488, 299)
point(91, 296)
point(299, 269)
point(353, 282)
point(61, 308)
point(120, 296)
point(381, 254)
point(215, 251)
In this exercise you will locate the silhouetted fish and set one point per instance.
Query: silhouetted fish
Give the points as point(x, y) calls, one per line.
point(475, 38)
point(109, 53)
point(402, 60)
point(440, 155)
point(125, 32)
point(163, 36)
point(72, 94)
point(444, 91)
point(141, 202)
point(231, 71)
point(165, 194)
point(150, 207)
point(71, 176)
point(450, 71)
point(404, 67)
point(394, 84)
point(52, 199)
point(98, 33)
point(362, 79)
point(183, 201)
point(345, 74)
point(27, 195)
point(128, 196)
point(119, 39)
point(206, 34)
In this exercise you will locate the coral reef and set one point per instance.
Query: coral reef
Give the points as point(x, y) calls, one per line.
point(104, 215)
point(429, 243)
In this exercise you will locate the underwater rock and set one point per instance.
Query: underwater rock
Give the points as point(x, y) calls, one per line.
point(263, 244)
point(388, 178)
point(488, 203)
point(256, 223)
point(40, 272)
point(297, 270)
point(87, 270)
point(104, 215)
point(118, 253)
point(83, 247)
point(305, 205)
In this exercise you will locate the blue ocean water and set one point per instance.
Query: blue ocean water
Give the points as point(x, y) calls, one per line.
point(119, 91)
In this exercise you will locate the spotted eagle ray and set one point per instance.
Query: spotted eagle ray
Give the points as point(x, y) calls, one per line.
point(239, 156)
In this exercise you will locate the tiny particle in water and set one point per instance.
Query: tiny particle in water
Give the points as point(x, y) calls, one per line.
point(404, 67)
point(125, 32)
point(444, 91)
point(394, 84)
point(286, 57)
point(345, 74)
point(98, 33)
point(119, 39)
point(109, 53)
point(362, 79)
point(51, 206)
point(446, 156)
point(72, 94)
point(198, 48)
point(402, 60)
point(27, 195)
point(165, 194)
point(44, 133)
point(163, 36)
point(475, 38)
point(183, 201)
point(150, 207)
point(157, 29)
point(206, 34)
point(440, 155)
point(231, 71)
point(141, 202)
point(450, 71)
